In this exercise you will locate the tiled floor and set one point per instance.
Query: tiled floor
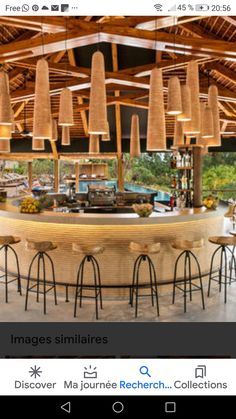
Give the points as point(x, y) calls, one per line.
point(120, 310)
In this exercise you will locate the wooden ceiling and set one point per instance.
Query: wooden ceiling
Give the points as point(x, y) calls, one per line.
point(209, 40)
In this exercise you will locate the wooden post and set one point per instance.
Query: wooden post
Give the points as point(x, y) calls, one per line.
point(30, 174)
point(197, 177)
point(56, 175)
point(76, 176)
point(120, 174)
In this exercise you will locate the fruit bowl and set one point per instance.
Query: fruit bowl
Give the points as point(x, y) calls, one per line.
point(211, 202)
point(30, 206)
point(143, 210)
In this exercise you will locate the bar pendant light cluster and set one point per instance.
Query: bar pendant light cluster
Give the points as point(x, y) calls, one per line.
point(198, 120)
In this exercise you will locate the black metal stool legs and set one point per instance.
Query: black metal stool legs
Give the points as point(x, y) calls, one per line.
point(135, 286)
point(40, 258)
point(6, 275)
point(96, 287)
point(187, 279)
point(223, 276)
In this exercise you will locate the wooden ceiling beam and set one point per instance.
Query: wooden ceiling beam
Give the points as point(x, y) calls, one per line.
point(166, 22)
point(56, 67)
point(86, 33)
point(47, 24)
point(223, 71)
point(52, 43)
point(26, 156)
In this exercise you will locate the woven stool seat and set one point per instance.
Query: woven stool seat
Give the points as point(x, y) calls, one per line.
point(187, 244)
point(87, 250)
point(144, 249)
point(7, 240)
point(44, 246)
point(223, 240)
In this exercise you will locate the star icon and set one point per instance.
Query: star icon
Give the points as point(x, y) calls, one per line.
point(35, 372)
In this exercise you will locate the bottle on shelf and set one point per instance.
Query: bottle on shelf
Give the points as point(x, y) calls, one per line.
point(178, 160)
point(172, 202)
point(187, 160)
point(173, 162)
point(173, 182)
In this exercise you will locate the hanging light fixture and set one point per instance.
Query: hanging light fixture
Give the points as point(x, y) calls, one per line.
point(65, 140)
point(66, 108)
point(54, 130)
point(213, 103)
point(174, 103)
point(178, 133)
point(5, 132)
point(106, 137)
point(191, 128)
point(97, 104)
point(13, 125)
point(156, 129)
point(5, 101)
point(205, 118)
point(135, 137)
point(5, 146)
point(207, 128)
point(42, 124)
point(38, 144)
point(94, 144)
point(186, 114)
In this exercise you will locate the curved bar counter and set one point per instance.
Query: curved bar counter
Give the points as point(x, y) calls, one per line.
point(114, 232)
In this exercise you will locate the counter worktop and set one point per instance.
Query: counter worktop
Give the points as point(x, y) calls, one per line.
point(189, 214)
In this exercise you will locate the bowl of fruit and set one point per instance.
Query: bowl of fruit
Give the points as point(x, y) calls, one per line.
point(30, 206)
point(211, 202)
point(143, 210)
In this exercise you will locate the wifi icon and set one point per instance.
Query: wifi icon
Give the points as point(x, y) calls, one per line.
point(158, 7)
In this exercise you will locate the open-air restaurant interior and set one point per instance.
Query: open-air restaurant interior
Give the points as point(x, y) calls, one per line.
point(117, 169)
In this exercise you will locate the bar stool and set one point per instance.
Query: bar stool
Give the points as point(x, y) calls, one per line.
point(89, 253)
point(6, 243)
point(187, 246)
point(40, 258)
point(144, 251)
point(224, 272)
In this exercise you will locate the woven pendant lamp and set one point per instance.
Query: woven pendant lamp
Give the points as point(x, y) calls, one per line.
point(178, 133)
point(5, 101)
point(106, 137)
point(213, 103)
point(5, 146)
point(207, 128)
point(186, 114)
point(42, 125)
point(174, 103)
point(65, 139)
point(5, 132)
point(135, 137)
point(94, 144)
point(38, 144)
point(191, 128)
point(97, 104)
point(54, 130)
point(13, 125)
point(156, 128)
point(204, 141)
point(66, 108)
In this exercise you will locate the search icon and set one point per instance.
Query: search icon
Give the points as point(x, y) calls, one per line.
point(144, 371)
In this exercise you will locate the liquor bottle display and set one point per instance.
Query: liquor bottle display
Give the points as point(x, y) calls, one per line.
point(182, 180)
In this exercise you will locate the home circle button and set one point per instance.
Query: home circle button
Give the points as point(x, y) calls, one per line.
point(118, 407)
